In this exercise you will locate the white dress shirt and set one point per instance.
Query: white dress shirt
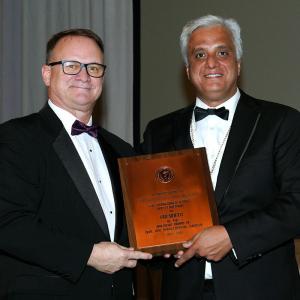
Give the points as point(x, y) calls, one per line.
point(212, 133)
point(92, 157)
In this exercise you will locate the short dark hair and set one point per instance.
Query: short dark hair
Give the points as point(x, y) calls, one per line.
point(72, 32)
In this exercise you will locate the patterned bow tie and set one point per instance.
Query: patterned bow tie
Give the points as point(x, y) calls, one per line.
point(201, 113)
point(79, 127)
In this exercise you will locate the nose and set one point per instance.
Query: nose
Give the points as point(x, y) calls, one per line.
point(212, 61)
point(83, 74)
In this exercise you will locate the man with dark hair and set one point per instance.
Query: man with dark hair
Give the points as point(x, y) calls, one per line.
point(61, 211)
point(253, 151)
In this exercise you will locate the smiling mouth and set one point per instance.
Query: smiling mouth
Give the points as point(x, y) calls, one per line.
point(216, 75)
point(81, 87)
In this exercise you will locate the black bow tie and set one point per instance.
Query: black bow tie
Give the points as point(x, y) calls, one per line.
point(79, 127)
point(201, 113)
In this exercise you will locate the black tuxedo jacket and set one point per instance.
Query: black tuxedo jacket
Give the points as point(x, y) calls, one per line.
point(258, 200)
point(50, 215)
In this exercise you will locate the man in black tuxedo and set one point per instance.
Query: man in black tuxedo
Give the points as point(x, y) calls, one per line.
point(61, 211)
point(253, 150)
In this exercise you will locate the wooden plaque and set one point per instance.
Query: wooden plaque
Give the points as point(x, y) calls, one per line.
point(168, 198)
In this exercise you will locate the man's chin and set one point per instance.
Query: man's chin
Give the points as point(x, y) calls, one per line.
point(214, 98)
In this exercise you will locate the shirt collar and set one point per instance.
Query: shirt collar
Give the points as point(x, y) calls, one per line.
point(66, 117)
point(229, 104)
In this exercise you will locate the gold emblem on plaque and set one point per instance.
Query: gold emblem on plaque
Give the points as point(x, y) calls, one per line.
point(165, 174)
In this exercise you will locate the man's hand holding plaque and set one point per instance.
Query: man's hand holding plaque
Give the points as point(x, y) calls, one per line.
point(213, 243)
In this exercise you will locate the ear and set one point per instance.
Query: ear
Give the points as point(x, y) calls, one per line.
point(239, 68)
point(46, 74)
point(187, 71)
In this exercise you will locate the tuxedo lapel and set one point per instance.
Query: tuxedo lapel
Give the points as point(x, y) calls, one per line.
point(182, 138)
point(72, 162)
point(244, 124)
point(74, 166)
point(66, 151)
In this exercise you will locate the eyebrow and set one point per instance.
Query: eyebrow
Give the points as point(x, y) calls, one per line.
point(217, 47)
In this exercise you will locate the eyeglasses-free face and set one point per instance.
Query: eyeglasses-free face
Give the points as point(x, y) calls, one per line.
point(213, 67)
point(71, 67)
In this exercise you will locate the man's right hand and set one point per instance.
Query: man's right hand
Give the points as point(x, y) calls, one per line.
point(110, 257)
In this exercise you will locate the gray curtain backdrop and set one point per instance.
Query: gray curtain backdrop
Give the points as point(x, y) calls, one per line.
point(26, 25)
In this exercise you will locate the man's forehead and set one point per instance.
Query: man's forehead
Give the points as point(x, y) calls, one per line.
point(218, 36)
point(76, 45)
point(211, 32)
